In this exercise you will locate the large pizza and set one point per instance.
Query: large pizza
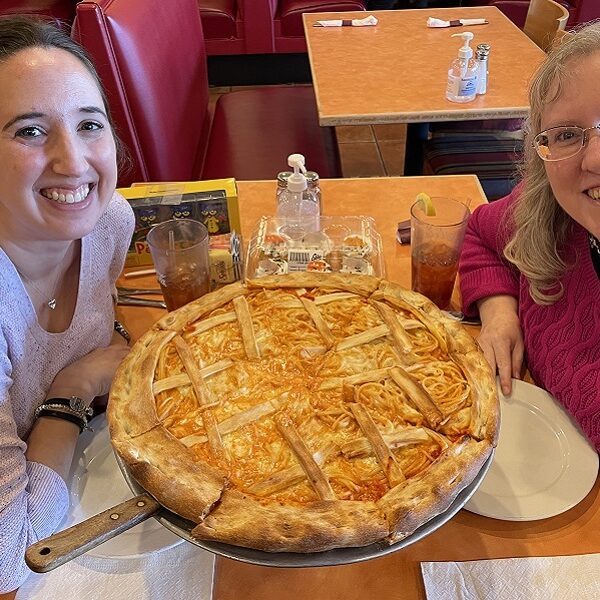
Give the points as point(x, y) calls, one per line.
point(305, 412)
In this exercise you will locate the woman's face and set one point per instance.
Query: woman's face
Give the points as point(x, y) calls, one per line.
point(575, 181)
point(57, 151)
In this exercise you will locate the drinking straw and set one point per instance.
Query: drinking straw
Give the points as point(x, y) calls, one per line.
point(171, 253)
point(140, 273)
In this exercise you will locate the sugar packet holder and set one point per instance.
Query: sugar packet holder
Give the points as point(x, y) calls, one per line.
point(433, 22)
point(367, 21)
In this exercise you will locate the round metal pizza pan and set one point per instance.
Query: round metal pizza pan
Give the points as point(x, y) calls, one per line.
point(337, 556)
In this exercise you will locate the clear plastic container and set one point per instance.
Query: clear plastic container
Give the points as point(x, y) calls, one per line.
point(341, 245)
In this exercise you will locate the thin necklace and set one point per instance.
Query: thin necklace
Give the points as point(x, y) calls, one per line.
point(51, 304)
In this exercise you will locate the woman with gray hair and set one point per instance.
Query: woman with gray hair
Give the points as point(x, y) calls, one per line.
point(531, 261)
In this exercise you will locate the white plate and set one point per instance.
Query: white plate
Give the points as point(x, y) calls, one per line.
point(543, 464)
point(96, 485)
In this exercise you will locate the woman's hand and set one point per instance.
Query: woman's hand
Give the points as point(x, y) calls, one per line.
point(501, 339)
point(92, 374)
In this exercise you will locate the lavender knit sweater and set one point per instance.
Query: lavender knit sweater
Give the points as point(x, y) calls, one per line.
point(562, 340)
point(34, 498)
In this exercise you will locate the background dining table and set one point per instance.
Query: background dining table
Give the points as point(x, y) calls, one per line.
point(466, 536)
point(396, 71)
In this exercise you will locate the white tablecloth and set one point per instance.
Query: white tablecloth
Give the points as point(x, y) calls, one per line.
point(184, 572)
point(549, 578)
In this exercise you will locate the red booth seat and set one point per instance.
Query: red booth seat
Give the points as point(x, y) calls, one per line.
point(262, 26)
point(151, 57)
point(288, 26)
point(63, 10)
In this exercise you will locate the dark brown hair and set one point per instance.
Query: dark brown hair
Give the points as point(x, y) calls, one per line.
point(19, 33)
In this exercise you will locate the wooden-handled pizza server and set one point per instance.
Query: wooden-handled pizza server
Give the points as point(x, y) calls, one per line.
point(56, 550)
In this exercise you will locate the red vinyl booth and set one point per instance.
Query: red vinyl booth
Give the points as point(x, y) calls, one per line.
point(63, 10)
point(262, 26)
point(151, 57)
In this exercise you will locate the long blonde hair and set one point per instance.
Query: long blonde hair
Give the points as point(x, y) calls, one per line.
point(541, 226)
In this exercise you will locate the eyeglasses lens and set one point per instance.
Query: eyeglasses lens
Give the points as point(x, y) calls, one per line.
point(559, 143)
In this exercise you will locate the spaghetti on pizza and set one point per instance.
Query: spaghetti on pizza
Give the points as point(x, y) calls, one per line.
point(305, 412)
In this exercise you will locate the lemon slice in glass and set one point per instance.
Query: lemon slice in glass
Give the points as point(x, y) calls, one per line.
point(426, 204)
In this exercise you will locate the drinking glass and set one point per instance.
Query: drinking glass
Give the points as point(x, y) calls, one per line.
point(436, 242)
point(179, 250)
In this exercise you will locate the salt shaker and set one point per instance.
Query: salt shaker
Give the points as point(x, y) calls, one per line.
point(481, 56)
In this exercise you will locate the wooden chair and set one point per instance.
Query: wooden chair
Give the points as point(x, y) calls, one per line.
point(544, 19)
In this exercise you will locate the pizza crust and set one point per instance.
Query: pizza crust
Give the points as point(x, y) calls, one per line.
point(414, 502)
point(243, 521)
point(131, 410)
point(167, 469)
point(363, 285)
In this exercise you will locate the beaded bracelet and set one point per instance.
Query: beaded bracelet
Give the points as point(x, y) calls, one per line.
point(72, 409)
point(122, 331)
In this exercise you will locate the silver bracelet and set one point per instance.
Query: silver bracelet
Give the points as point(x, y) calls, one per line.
point(73, 406)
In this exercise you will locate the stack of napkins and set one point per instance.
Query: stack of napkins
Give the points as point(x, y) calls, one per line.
point(184, 572)
point(549, 578)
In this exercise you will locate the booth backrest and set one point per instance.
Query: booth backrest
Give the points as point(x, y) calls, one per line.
point(157, 89)
point(62, 10)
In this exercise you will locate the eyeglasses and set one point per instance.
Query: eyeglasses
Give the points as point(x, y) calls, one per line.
point(558, 143)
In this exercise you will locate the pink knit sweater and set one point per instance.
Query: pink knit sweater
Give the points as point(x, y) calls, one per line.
point(33, 497)
point(562, 340)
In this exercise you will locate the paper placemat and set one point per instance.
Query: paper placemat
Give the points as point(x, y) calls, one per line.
point(548, 578)
point(184, 572)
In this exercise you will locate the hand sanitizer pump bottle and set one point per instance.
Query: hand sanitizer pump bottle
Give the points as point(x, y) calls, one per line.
point(297, 207)
point(462, 74)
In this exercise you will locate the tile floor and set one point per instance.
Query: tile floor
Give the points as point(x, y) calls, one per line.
point(365, 150)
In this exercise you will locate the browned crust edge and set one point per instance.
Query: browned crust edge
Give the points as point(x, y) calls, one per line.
point(363, 285)
point(485, 407)
point(182, 317)
point(241, 520)
point(414, 502)
point(131, 408)
point(166, 468)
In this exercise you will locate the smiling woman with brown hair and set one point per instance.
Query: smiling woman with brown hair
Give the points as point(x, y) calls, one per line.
point(531, 261)
point(63, 237)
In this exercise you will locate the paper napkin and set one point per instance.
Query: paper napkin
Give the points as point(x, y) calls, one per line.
point(184, 572)
point(548, 578)
point(370, 20)
point(433, 22)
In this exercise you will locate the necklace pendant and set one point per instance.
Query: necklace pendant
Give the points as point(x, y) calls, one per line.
point(51, 304)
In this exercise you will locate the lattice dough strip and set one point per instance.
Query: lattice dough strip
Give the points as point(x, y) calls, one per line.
point(210, 323)
point(385, 457)
point(181, 379)
point(313, 472)
point(203, 395)
point(290, 476)
point(236, 421)
point(390, 318)
point(319, 322)
point(242, 310)
point(407, 436)
point(335, 297)
point(364, 337)
point(333, 383)
point(417, 395)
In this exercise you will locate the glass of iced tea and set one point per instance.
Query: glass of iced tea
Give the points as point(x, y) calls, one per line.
point(436, 241)
point(179, 249)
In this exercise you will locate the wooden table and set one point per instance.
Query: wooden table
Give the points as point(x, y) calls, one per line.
point(387, 200)
point(467, 536)
point(396, 71)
